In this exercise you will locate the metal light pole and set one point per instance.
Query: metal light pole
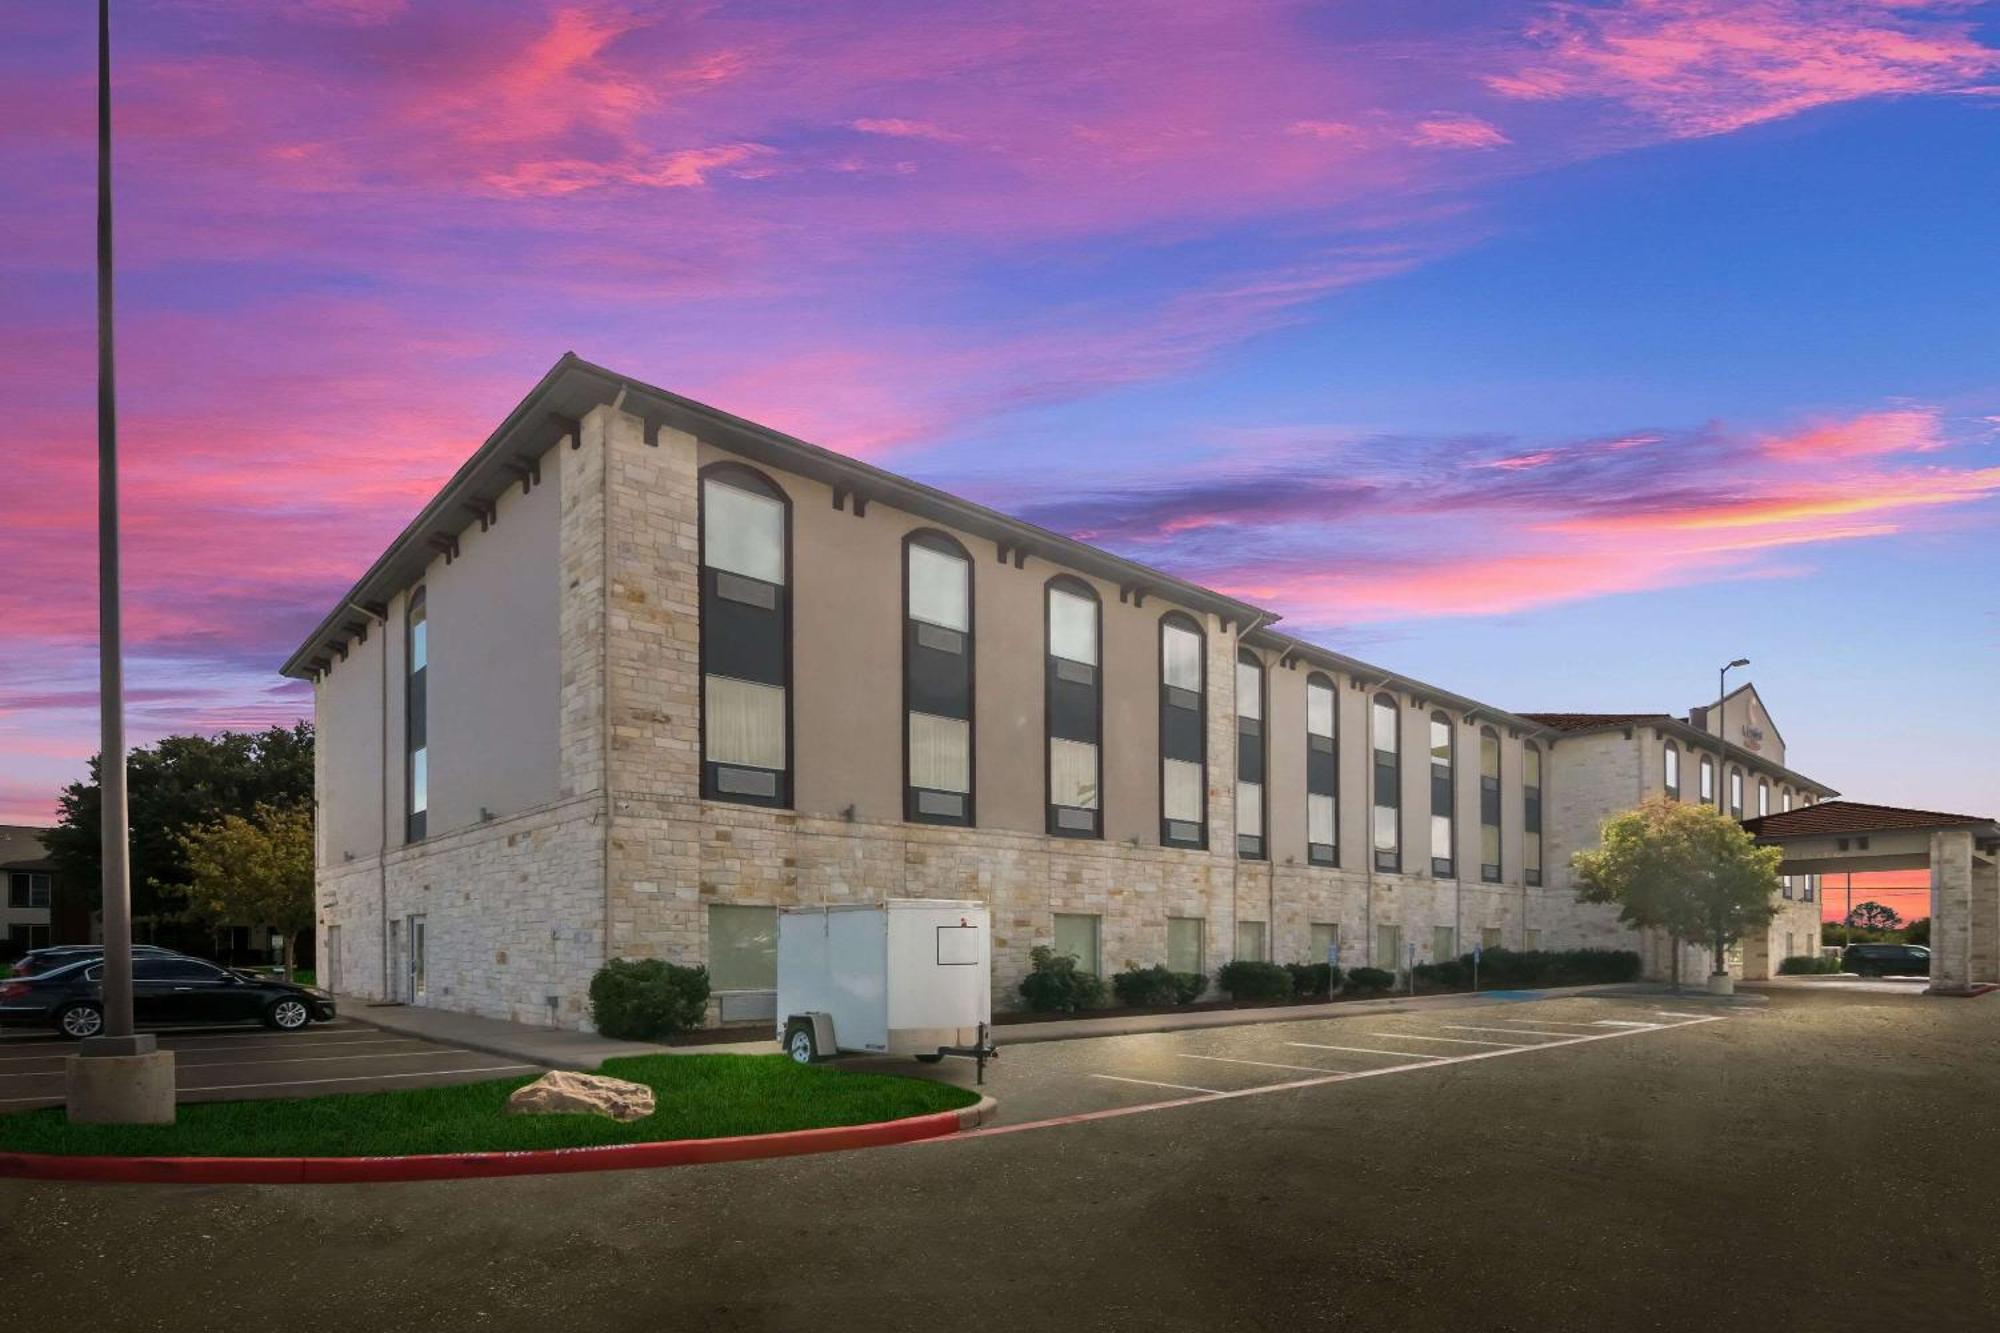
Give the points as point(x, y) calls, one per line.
point(1721, 735)
point(117, 1076)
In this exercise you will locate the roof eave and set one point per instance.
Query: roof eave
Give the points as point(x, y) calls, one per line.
point(528, 423)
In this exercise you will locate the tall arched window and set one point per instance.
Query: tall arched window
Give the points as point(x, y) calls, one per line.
point(1073, 706)
point(1736, 792)
point(1671, 771)
point(1444, 801)
point(1531, 813)
point(937, 680)
point(1183, 731)
point(1707, 780)
point(1249, 755)
point(746, 637)
point(416, 719)
point(1763, 797)
point(1785, 801)
point(1388, 797)
point(1322, 771)
point(1489, 805)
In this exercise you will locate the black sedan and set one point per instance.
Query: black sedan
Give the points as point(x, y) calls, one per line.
point(50, 957)
point(1886, 960)
point(165, 991)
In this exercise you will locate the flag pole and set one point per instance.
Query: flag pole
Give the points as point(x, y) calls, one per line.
point(118, 1076)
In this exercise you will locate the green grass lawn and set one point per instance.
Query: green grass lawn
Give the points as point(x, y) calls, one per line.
point(699, 1097)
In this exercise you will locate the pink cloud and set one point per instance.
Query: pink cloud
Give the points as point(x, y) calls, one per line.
point(1700, 67)
point(1908, 431)
point(896, 128)
point(1458, 132)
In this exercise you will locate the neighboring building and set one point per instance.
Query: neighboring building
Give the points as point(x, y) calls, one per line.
point(643, 672)
point(38, 909)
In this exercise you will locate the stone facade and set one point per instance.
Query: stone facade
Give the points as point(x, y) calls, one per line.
point(626, 857)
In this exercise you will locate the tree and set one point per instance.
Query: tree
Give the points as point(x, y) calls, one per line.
point(1918, 932)
point(1874, 916)
point(255, 871)
point(1689, 870)
point(175, 786)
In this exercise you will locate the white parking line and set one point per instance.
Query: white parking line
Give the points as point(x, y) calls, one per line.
point(1519, 1032)
point(1424, 1056)
point(1265, 1064)
point(1456, 1041)
point(356, 1078)
point(1152, 1083)
point(1621, 1023)
point(1668, 1013)
point(1210, 1095)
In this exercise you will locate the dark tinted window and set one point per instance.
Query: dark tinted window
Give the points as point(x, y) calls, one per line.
point(173, 969)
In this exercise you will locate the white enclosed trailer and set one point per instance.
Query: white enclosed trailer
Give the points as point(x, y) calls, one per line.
point(909, 976)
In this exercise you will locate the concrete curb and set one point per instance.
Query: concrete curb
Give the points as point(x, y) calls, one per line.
point(478, 1165)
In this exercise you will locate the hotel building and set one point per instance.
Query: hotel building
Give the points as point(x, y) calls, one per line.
point(644, 672)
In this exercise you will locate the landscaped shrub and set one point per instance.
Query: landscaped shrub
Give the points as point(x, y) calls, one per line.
point(1246, 980)
point(646, 999)
point(1369, 981)
point(1451, 974)
point(1555, 967)
point(1146, 987)
point(1807, 965)
point(1157, 987)
point(1054, 985)
point(1313, 980)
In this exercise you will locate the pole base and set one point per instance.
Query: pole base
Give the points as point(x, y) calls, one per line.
point(121, 1089)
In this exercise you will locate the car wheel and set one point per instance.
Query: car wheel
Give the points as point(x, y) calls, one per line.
point(80, 1021)
point(288, 1015)
point(799, 1043)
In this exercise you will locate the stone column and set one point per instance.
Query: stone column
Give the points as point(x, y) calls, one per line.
point(1951, 911)
point(652, 691)
point(1985, 919)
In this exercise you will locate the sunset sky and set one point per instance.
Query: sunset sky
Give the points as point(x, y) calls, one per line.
point(1555, 352)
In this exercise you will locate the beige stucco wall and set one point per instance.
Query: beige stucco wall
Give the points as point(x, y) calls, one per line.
point(620, 856)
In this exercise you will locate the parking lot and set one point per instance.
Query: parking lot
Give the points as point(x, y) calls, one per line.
point(232, 1063)
point(1807, 1160)
point(1063, 1081)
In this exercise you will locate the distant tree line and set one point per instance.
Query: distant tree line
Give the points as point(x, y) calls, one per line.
point(221, 833)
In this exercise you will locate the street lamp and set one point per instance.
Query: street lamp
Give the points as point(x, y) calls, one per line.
point(117, 1076)
point(1721, 736)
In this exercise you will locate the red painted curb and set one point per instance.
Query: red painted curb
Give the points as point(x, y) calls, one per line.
point(473, 1165)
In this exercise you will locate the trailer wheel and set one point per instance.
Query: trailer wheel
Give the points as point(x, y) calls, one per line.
point(799, 1042)
point(930, 1059)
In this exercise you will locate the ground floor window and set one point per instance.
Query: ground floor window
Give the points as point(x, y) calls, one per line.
point(1077, 936)
point(1186, 951)
point(20, 939)
point(1389, 947)
point(1531, 939)
point(742, 948)
point(1252, 942)
point(1489, 937)
point(1325, 938)
point(1444, 943)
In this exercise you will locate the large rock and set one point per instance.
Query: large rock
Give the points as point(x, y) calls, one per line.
point(560, 1092)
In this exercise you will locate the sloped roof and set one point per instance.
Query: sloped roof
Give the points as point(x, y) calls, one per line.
point(1839, 817)
point(21, 847)
point(1597, 721)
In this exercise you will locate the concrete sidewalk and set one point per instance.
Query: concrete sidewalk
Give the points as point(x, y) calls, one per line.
point(554, 1048)
point(558, 1048)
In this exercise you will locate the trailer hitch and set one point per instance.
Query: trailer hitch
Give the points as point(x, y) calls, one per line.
point(980, 1052)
